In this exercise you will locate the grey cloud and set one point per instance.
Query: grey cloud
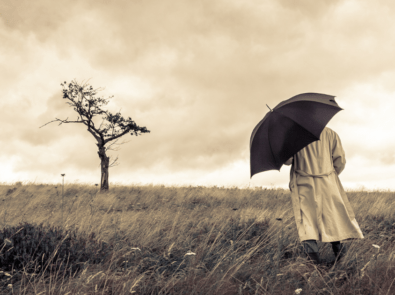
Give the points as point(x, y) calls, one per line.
point(214, 66)
point(41, 17)
point(216, 61)
point(388, 156)
point(310, 8)
point(73, 152)
point(375, 156)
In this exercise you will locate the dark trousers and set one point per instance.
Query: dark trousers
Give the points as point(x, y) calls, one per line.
point(310, 246)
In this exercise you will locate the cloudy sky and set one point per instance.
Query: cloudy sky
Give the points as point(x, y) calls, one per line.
point(198, 74)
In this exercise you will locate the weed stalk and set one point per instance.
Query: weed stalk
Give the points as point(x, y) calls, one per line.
point(62, 194)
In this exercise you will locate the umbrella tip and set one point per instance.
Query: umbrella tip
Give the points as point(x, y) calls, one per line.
point(269, 108)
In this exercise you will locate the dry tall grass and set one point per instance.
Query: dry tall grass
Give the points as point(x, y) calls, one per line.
point(198, 240)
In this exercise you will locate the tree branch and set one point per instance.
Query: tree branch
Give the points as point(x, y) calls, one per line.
point(108, 148)
point(64, 121)
point(101, 124)
point(116, 136)
point(94, 135)
point(113, 163)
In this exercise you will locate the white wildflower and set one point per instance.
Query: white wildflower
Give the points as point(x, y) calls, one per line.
point(376, 246)
point(9, 285)
point(135, 248)
point(190, 253)
point(297, 291)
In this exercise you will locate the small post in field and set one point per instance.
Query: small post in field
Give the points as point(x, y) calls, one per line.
point(279, 243)
point(62, 195)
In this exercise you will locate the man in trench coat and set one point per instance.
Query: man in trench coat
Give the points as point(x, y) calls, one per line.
point(321, 207)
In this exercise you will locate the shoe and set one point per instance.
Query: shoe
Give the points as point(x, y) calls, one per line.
point(314, 257)
point(339, 250)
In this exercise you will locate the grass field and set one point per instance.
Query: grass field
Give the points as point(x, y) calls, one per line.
point(182, 240)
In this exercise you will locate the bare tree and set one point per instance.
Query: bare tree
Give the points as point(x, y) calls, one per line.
point(82, 97)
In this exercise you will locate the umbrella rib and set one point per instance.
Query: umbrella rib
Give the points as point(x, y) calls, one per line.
point(270, 145)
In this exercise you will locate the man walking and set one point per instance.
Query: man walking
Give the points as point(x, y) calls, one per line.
point(321, 207)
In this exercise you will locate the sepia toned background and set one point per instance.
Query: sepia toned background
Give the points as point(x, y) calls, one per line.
point(198, 74)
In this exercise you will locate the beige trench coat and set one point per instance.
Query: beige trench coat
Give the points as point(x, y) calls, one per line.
point(321, 207)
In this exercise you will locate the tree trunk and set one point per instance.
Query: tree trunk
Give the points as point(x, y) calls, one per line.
point(105, 162)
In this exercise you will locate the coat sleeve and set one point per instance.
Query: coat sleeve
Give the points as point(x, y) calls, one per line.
point(338, 155)
point(289, 161)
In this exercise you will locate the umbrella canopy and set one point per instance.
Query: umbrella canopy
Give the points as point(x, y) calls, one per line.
point(289, 127)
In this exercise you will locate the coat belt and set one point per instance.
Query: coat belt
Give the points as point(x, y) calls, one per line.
point(302, 173)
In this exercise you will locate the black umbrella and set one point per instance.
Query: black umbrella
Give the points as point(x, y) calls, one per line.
point(289, 127)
